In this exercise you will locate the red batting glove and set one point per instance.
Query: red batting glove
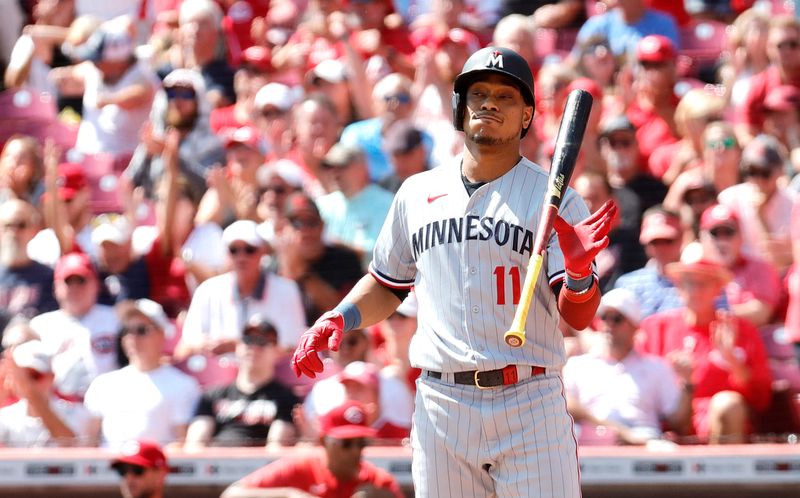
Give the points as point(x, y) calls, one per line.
point(581, 243)
point(324, 334)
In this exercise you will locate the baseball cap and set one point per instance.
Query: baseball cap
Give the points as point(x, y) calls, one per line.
point(624, 301)
point(462, 37)
point(276, 95)
point(242, 230)
point(147, 454)
point(783, 98)
point(258, 324)
point(258, 58)
point(718, 215)
point(402, 137)
point(34, 355)
point(694, 261)
point(330, 70)
point(764, 152)
point(245, 135)
point(362, 372)
point(616, 123)
point(655, 48)
point(341, 155)
point(111, 227)
point(153, 312)
point(299, 204)
point(659, 225)
point(185, 78)
point(74, 264)
point(71, 180)
point(106, 44)
point(285, 169)
point(346, 421)
point(590, 86)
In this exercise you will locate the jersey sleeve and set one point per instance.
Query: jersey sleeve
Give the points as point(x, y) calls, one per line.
point(573, 210)
point(393, 262)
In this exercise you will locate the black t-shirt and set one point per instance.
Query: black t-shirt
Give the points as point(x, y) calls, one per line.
point(244, 419)
point(133, 283)
point(26, 291)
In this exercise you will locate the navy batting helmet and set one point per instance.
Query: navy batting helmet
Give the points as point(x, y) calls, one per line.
point(498, 60)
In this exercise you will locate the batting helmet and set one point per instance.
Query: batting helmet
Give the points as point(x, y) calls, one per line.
point(498, 60)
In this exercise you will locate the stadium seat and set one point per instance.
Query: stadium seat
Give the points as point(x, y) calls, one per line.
point(24, 112)
point(100, 171)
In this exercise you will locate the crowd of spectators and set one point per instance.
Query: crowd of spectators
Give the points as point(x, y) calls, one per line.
point(186, 185)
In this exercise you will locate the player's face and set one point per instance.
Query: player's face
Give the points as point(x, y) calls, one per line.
point(496, 111)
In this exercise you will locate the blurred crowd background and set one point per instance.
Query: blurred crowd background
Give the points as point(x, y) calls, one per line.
point(186, 185)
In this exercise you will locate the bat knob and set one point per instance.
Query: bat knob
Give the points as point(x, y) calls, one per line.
point(514, 338)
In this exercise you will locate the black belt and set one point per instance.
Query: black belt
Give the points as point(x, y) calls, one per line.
point(487, 378)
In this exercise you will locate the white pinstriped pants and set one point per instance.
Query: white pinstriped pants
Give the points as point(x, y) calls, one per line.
point(506, 442)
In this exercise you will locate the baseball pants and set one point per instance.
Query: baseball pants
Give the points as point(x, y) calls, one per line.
point(507, 442)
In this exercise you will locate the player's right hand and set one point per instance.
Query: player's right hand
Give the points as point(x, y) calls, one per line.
point(326, 333)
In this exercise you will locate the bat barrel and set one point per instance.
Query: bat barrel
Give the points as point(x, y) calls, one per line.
point(568, 143)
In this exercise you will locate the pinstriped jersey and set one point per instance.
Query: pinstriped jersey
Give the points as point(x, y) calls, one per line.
point(466, 257)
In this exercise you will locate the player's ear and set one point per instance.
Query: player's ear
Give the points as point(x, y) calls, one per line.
point(527, 117)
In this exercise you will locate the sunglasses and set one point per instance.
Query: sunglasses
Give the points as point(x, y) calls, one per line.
point(259, 340)
point(653, 65)
point(400, 98)
point(75, 280)
point(178, 93)
point(138, 330)
point(126, 468)
point(789, 44)
point(278, 190)
point(272, 113)
point(693, 200)
point(726, 143)
point(722, 232)
point(16, 225)
point(764, 174)
point(617, 143)
point(34, 375)
point(249, 250)
point(662, 242)
point(301, 223)
point(346, 444)
point(612, 318)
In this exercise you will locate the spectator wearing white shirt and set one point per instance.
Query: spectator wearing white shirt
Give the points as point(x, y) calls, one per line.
point(617, 395)
point(39, 418)
point(222, 305)
point(81, 335)
point(146, 399)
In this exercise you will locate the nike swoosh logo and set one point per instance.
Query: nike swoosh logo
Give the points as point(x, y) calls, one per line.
point(432, 198)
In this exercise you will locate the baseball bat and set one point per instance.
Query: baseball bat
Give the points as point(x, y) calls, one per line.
point(568, 144)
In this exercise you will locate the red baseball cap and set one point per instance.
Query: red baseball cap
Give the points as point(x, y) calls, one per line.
point(145, 454)
point(659, 225)
point(717, 215)
point(74, 264)
point(71, 180)
point(588, 84)
point(655, 48)
point(462, 37)
point(362, 372)
point(346, 421)
point(259, 58)
point(246, 135)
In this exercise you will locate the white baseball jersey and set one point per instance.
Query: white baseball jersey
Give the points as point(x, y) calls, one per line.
point(466, 258)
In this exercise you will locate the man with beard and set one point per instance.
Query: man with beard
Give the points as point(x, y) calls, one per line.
point(26, 286)
point(179, 106)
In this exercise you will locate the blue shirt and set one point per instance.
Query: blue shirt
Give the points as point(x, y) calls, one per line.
point(622, 37)
point(356, 221)
point(367, 136)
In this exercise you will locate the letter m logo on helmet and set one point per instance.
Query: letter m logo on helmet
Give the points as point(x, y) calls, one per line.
point(495, 59)
point(491, 60)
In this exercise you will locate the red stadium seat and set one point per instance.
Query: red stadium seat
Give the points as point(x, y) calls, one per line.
point(100, 171)
point(25, 112)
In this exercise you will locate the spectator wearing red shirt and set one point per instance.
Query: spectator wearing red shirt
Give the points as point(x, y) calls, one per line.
point(754, 292)
point(652, 108)
point(338, 472)
point(730, 373)
point(783, 50)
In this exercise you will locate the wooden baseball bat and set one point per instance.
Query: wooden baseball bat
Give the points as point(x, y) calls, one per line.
point(568, 144)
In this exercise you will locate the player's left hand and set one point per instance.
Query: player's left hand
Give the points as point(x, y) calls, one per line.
point(581, 243)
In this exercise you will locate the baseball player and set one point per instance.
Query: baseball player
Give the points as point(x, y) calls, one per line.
point(489, 420)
